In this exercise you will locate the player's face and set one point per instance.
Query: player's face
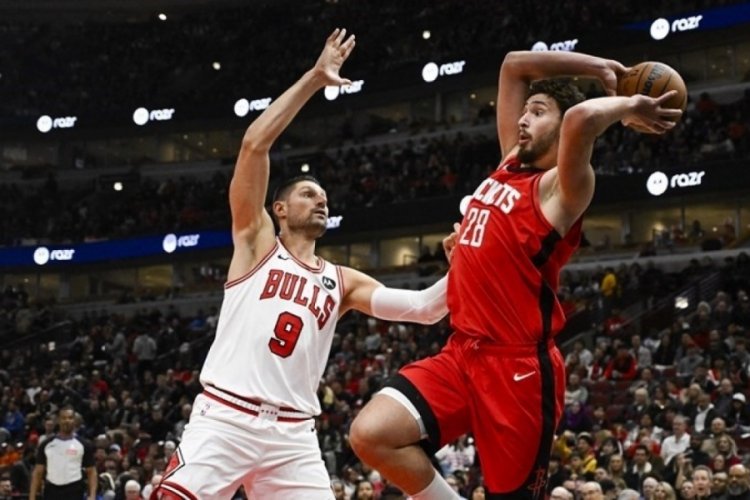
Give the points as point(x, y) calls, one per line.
point(307, 209)
point(538, 128)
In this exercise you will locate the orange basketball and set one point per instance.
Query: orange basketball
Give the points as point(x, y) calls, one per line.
point(654, 79)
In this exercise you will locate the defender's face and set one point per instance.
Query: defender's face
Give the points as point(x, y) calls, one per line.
point(306, 209)
point(538, 127)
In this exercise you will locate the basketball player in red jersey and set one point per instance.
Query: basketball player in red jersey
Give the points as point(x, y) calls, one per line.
point(500, 375)
point(253, 424)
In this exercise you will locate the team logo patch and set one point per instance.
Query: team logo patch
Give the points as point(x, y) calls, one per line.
point(329, 283)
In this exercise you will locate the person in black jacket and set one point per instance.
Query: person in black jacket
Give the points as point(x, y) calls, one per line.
point(738, 487)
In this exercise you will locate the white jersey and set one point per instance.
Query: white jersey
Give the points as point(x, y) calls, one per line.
point(275, 331)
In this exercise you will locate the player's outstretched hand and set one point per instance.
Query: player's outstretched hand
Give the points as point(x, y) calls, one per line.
point(648, 114)
point(335, 52)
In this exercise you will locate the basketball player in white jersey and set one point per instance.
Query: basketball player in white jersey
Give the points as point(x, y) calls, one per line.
point(253, 424)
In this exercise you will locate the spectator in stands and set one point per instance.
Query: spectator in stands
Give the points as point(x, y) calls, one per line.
point(622, 366)
point(584, 355)
point(575, 391)
point(144, 350)
point(738, 487)
point(719, 486)
point(704, 413)
point(687, 490)
point(649, 486)
point(616, 468)
point(640, 467)
point(723, 397)
point(14, 421)
point(664, 356)
point(575, 418)
point(6, 489)
point(702, 480)
point(640, 352)
point(664, 491)
point(678, 442)
point(585, 447)
point(458, 455)
point(591, 490)
point(560, 493)
point(687, 364)
point(608, 447)
point(738, 417)
point(133, 490)
point(727, 448)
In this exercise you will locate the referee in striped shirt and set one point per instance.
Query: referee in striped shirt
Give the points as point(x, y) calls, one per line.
point(60, 461)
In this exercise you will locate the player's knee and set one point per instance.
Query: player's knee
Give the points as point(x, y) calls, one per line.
point(366, 435)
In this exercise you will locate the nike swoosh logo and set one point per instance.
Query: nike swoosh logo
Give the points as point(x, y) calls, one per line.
point(282, 257)
point(518, 377)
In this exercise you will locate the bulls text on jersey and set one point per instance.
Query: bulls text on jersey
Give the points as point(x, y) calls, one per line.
point(289, 286)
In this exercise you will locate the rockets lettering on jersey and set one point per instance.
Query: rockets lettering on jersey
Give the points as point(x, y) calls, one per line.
point(500, 194)
point(289, 286)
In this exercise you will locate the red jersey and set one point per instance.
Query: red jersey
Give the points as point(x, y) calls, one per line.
point(506, 265)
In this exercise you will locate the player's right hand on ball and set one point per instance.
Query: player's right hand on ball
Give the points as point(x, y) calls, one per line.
point(647, 115)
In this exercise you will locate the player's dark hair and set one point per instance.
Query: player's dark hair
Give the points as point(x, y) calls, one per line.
point(565, 93)
point(282, 190)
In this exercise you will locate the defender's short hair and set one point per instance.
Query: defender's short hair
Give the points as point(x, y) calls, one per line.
point(282, 190)
point(562, 90)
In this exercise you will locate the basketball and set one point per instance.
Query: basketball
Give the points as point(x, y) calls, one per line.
point(654, 79)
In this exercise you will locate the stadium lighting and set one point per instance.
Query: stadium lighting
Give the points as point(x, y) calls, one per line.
point(305, 167)
point(162, 16)
point(117, 186)
point(426, 34)
point(216, 65)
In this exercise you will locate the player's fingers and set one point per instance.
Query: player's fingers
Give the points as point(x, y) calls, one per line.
point(670, 113)
point(333, 35)
point(348, 46)
point(456, 227)
point(665, 97)
point(341, 35)
point(345, 81)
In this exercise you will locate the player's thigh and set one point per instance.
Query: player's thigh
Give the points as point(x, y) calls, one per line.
point(515, 411)
point(215, 453)
point(292, 466)
point(438, 388)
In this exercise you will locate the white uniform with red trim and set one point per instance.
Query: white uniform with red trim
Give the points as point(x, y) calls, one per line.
point(253, 424)
point(275, 331)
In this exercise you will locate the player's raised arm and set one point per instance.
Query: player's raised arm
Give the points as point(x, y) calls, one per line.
point(583, 123)
point(247, 191)
point(520, 68)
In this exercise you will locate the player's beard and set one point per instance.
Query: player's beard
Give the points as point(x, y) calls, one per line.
point(535, 149)
point(313, 227)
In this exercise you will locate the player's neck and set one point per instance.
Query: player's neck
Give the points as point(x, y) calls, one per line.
point(301, 247)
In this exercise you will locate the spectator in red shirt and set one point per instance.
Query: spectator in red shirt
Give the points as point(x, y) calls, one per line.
point(622, 366)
